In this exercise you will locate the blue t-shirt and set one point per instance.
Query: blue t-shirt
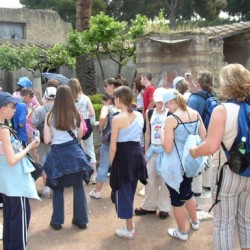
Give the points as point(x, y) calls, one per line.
point(20, 118)
point(197, 102)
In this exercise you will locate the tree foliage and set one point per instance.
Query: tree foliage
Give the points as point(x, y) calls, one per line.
point(209, 9)
point(65, 8)
point(107, 35)
point(33, 58)
point(239, 8)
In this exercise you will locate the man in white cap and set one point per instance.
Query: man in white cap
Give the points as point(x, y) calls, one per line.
point(156, 192)
point(38, 118)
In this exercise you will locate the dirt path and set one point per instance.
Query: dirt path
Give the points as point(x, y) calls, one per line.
point(151, 232)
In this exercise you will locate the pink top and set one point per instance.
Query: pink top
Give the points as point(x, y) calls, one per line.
point(35, 104)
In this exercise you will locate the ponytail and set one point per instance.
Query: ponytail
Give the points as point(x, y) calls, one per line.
point(182, 103)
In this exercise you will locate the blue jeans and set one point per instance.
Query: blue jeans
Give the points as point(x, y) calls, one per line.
point(80, 209)
point(104, 164)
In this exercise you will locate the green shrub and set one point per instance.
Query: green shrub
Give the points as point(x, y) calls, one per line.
point(97, 108)
point(96, 99)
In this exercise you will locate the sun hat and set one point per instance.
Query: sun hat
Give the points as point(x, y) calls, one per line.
point(6, 98)
point(176, 80)
point(158, 94)
point(50, 92)
point(169, 95)
point(24, 82)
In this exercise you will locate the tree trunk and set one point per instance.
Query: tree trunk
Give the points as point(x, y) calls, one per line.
point(85, 67)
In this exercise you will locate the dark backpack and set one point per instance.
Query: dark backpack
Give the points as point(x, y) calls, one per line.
point(40, 127)
point(211, 103)
point(238, 161)
point(106, 133)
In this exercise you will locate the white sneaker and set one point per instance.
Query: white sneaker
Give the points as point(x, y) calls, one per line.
point(124, 233)
point(195, 224)
point(94, 194)
point(175, 233)
point(46, 192)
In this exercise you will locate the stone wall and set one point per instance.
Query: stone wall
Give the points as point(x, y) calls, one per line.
point(41, 26)
point(165, 60)
point(237, 49)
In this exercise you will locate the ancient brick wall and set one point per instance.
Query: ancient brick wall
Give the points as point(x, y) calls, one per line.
point(165, 61)
point(41, 26)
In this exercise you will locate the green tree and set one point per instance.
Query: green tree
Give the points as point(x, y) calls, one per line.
point(33, 58)
point(65, 8)
point(209, 9)
point(85, 67)
point(239, 8)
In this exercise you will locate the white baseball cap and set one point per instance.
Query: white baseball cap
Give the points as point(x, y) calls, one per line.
point(158, 94)
point(50, 93)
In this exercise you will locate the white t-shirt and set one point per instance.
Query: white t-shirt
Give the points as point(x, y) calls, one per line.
point(156, 122)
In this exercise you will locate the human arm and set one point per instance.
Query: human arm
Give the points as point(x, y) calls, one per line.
point(90, 108)
point(11, 157)
point(168, 138)
point(214, 136)
point(103, 118)
point(80, 129)
point(202, 130)
point(147, 133)
point(47, 131)
point(113, 140)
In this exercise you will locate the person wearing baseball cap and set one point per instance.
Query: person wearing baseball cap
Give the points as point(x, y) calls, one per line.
point(16, 182)
point(177, 125)
point(156, 192)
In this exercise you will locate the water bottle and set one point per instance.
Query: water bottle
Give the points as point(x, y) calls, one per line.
point(242, 145)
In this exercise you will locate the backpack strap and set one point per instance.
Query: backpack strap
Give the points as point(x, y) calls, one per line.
point(179, 155)
point(218, 184)
point(202, 94)
point(180, 122)
point(12, 131)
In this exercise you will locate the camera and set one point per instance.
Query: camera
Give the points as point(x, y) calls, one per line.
point(36, 136)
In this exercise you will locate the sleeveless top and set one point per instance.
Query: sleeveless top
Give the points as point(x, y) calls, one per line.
point(16, 181)
point(230, 133)
point(134, 131)
point(171, 168)
point(156, 122)
point(82, 106)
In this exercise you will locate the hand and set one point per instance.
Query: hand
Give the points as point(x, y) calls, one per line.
point(192, 152)
point(34, 144)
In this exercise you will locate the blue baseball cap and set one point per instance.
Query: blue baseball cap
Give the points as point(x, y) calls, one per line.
point(169, 95)
point(176, 80)
point(24, 82)
point(6, 98)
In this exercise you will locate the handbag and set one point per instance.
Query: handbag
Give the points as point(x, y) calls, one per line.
point(86, 174)
point(38, 168)
point(89, 131)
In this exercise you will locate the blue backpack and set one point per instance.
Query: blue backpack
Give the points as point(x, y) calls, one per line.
point(211, 103)
point(238, 161)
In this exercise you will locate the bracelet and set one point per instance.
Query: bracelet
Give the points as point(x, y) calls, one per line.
point(28, 146)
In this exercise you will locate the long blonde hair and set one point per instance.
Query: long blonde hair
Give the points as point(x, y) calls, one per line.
point(76, 88)
point(234, 82)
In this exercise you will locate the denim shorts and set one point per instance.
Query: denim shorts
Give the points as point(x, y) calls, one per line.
point(104, 164)
point(178, 199)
